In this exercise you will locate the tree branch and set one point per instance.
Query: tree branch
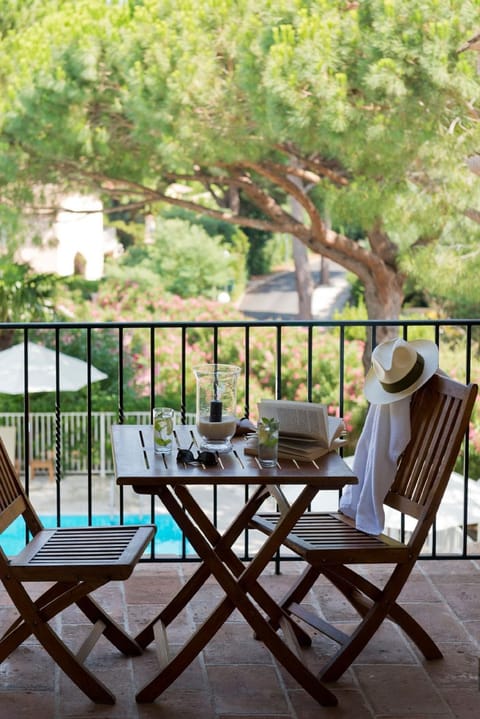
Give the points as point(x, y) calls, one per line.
point(473, 214)
point(320, 168)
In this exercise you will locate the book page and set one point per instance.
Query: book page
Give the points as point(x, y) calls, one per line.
point(298, 419)
point(336, 428)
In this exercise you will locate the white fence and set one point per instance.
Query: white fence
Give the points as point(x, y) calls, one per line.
point(72, 440)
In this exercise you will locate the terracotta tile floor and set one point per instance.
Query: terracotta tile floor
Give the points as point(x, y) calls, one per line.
point(236, 677)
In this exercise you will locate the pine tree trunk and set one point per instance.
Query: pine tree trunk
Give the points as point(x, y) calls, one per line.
point(383, 299)
point(303, 279)
point(6, 338)
point(303, 276)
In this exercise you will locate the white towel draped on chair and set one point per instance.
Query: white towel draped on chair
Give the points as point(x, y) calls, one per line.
point(385, 435)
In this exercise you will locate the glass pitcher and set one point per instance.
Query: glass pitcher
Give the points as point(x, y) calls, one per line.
point(216, 405)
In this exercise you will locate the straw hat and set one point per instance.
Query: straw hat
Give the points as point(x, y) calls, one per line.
point(399, 368)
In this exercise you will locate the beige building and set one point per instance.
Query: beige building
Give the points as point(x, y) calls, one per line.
point(73, 242)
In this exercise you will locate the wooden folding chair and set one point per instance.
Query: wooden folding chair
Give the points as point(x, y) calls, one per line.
point(440, 412)
point(75, 562)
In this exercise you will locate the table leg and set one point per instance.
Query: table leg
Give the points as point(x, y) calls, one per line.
point(200, 576)
point(220, 561)
point(223, 548)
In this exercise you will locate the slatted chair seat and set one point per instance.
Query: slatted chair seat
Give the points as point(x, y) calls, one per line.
point(331, 545)
point(336, 537)
point(73, 562)
point(60, 554)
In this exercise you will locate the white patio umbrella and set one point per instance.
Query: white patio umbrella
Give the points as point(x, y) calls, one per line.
point(42, 370)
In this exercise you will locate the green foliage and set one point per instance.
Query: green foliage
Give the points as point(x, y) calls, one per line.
point(11, 228)
point(139, 100)
point(447, 275)
point(24, 295)
point(17, 15)
point(232, 238)
point(357, 295)
point(183, 260)
point(142, 90)
point(260, 260)
point(214, 227)
point(261, 245)
point(78, 287)
point(352, 312)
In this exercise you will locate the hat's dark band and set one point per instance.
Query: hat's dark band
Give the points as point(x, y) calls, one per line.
point(409, 378)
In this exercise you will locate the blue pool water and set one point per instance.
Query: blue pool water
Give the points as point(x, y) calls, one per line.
point(168, 537)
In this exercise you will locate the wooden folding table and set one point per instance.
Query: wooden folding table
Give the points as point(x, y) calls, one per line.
point(137, 465)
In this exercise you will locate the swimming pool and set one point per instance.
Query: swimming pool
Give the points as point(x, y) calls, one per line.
point(168, 537)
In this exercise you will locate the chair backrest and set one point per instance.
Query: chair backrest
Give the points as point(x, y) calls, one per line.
point(439, 415)
point(13, 500)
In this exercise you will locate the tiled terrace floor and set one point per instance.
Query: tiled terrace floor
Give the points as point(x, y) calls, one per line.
point(236, 677)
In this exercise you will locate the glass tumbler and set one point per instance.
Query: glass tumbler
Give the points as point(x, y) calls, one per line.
point(163, 422)
point(267, 434)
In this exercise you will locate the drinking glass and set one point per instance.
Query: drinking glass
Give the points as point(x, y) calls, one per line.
point(163, 421)
point(267, 432)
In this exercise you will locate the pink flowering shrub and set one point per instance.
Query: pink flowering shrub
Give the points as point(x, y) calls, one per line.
point(278, 363)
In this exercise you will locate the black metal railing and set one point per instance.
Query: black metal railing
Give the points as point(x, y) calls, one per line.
point(149, 362)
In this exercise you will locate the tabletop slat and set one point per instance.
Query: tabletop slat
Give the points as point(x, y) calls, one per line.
point(136, 463)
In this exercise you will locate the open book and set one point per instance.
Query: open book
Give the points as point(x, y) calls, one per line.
point(306, 430)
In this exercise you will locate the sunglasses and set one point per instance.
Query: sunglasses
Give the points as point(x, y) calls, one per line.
point(207, 459)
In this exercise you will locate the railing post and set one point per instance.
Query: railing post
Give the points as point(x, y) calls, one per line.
point(102, 445)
